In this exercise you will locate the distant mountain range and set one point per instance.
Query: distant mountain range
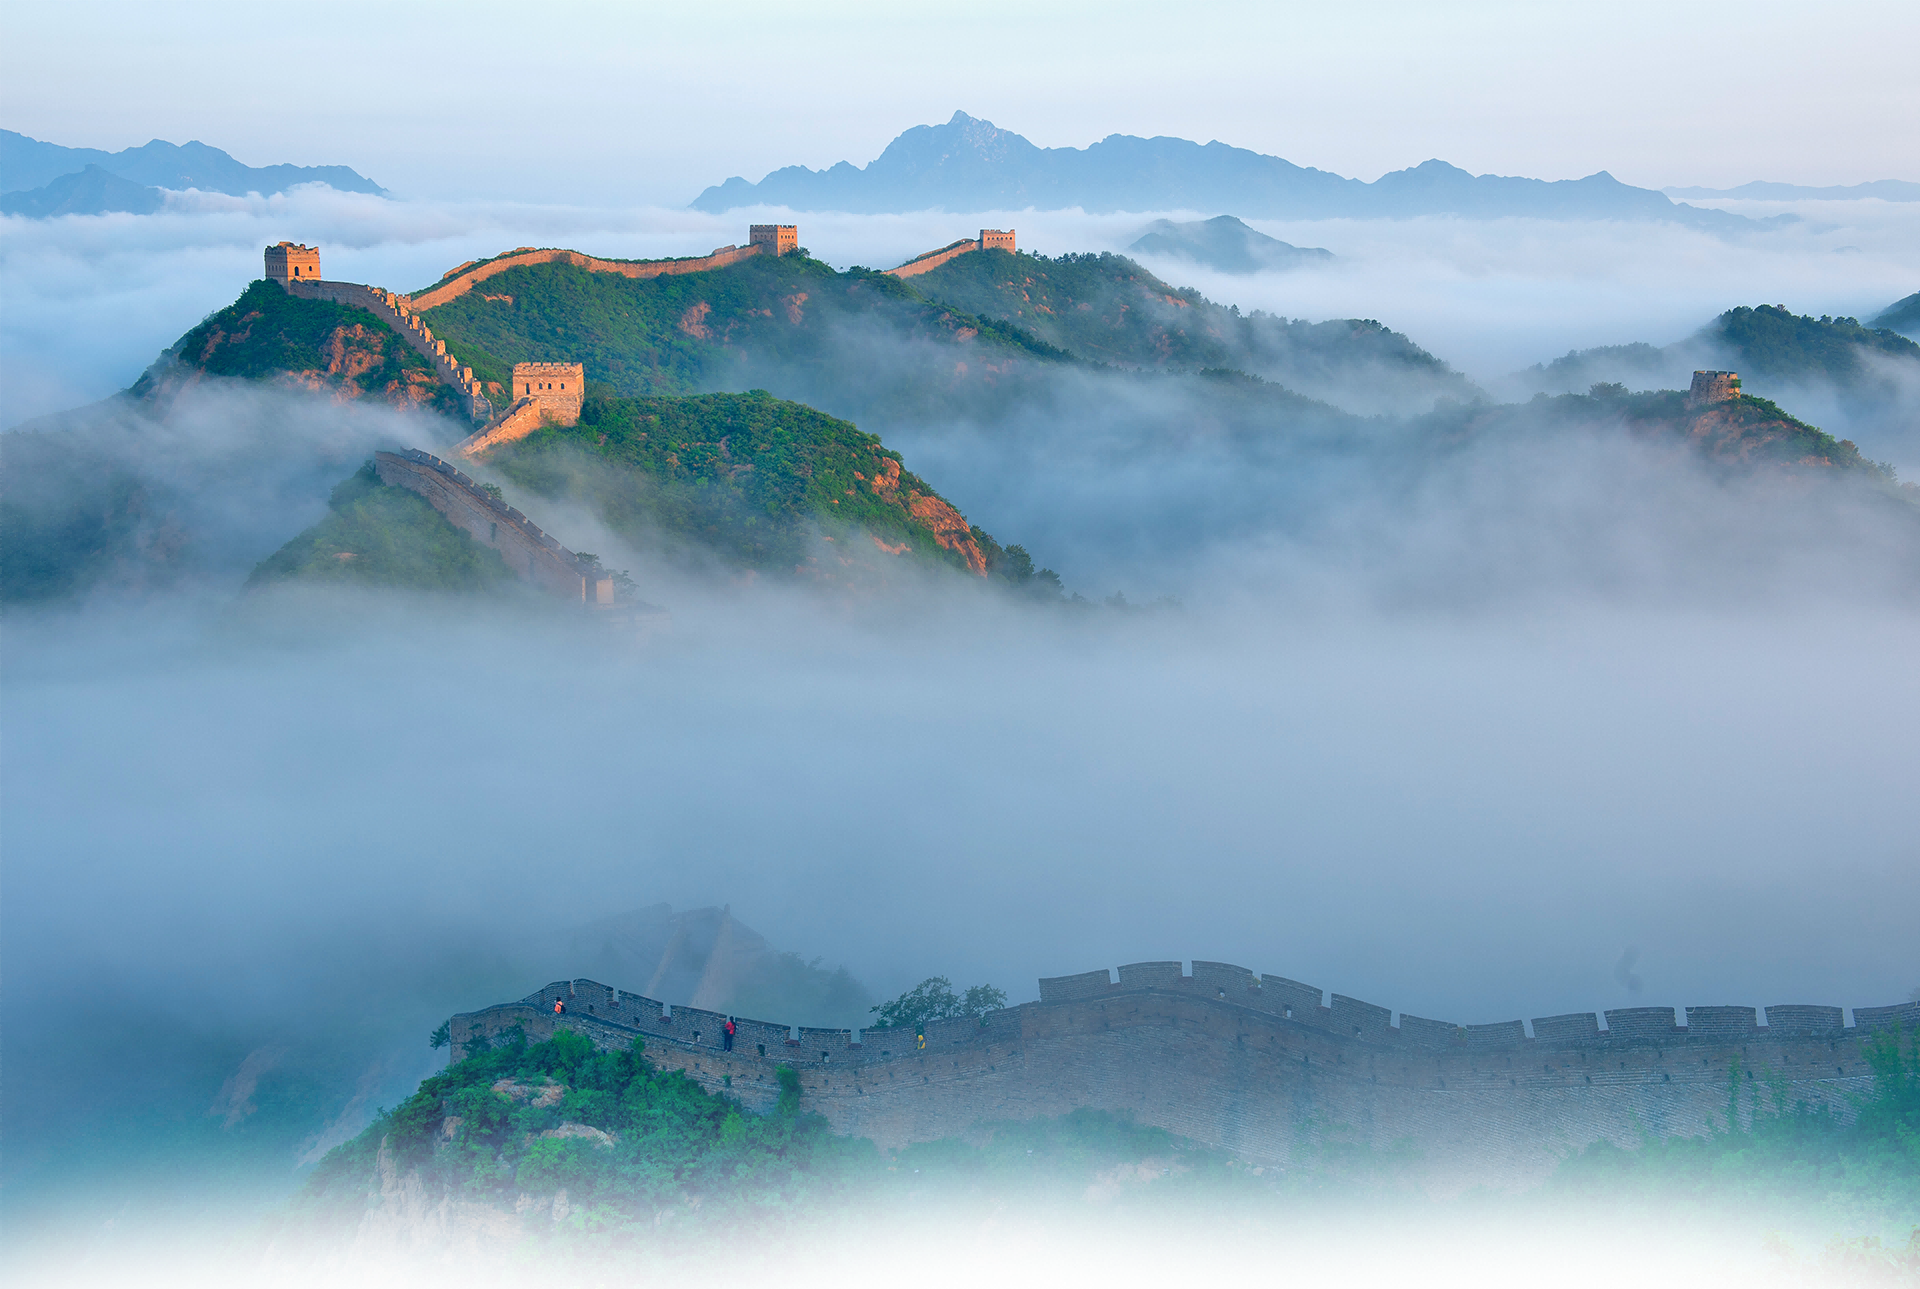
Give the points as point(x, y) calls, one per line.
point(969, 164)
point(39, 178)
point(1884, 189)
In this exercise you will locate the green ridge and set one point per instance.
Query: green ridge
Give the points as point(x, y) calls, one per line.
point(376, 535)
point(683, 333)
point(749, 477)
point(1772, 341)
point(1106, 307)
point(268, 334)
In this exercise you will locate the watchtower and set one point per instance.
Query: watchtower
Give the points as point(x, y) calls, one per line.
point(290, 261)
point(556, 388)
point(997, 239)
point(1713, 387)
point(777, 238)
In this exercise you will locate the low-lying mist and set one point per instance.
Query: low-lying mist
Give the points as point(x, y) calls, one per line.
point(1477, 727)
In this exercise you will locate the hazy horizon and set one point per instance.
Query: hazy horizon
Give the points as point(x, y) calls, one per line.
point(443, 106)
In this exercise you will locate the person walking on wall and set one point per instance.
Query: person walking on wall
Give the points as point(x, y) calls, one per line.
point(559, 1006)
point(726, 1035)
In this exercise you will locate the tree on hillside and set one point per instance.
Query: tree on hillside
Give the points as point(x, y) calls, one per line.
point(933, 999)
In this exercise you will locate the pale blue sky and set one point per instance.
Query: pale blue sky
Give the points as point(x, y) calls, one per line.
point(649, 103)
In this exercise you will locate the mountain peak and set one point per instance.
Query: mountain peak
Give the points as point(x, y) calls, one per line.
point(971, 164)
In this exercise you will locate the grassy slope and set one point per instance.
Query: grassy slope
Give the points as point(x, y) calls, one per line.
point(749, 477)
point(694, 1191)
point(269, 335)
point(376, 535)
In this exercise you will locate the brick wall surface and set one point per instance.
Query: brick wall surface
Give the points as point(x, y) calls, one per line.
point(1237, 1073)
point(393, 311)
point(532, 554)
point(461, 283)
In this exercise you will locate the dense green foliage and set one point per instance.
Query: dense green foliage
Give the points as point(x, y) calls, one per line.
point(1107, 308)
point(268, 334)
point(933, 999)
point(754, 479)
point(377, 535)
point(1901, 315)
point(683, 333)
point(1747, 431)
point(682, 1188)
point(1774, 342)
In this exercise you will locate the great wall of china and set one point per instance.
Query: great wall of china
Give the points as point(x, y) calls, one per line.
point(1259, 1066)
point(534, 556)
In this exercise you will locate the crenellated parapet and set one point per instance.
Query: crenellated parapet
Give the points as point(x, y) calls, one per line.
point(990, 239)
point(394, 311)
point(762, 239)
point(529, 552)
point(1374, 1023)
point(1254, 1064)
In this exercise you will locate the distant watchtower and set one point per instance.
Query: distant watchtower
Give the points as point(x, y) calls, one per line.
point(777, 238)
point(1713, 387)
point(555, 388)
point(997, 239)
point(289, 261)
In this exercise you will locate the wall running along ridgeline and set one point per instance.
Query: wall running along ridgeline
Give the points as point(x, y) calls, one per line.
point(543, 394)
point(536, 557)
point(461, 280)
point(1259, 1066)
point(990, 239)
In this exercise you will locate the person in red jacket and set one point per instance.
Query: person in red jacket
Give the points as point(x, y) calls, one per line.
point(559, 1006)
point(726, 1035)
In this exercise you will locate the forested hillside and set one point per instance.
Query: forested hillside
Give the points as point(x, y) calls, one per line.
point(758, 482)
point(1109, 309)
point(305, 344)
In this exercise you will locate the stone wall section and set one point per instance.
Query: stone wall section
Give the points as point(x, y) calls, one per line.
point(1215, 1056)
point(458, 284)
point(395, 312)
point(536, 557)
point(519, 420)
point(990, 239)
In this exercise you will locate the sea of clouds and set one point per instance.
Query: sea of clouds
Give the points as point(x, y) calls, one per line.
point(1558, 726)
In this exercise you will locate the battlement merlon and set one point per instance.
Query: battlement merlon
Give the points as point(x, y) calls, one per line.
point(1344, 1020)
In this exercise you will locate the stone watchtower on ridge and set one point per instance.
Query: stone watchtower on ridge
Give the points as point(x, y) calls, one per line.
point(292, 262)
point(997, 239)
point(556, 389)
point(1713, 387)
point(778, 239)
